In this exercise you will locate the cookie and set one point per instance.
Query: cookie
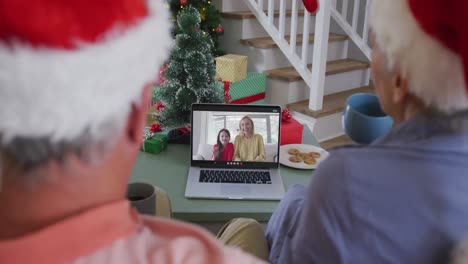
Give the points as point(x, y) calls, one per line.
point(293, 151)
point(310, 161)
point(295, 159)
point(302, 155)
point(314, 155)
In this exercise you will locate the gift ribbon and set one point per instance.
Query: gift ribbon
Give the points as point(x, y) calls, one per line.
point(249, 99)
point(243, 100)
point(286, 115)
point(227, 96)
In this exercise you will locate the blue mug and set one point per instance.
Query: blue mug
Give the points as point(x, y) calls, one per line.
point(363, 118)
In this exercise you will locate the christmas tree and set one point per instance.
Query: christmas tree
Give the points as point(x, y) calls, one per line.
point(210, 19)
point(189, 74)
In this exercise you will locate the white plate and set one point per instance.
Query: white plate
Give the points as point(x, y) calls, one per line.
point(284, 155)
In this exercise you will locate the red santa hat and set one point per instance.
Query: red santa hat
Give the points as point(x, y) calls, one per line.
point(74, 65)
point(428, 39)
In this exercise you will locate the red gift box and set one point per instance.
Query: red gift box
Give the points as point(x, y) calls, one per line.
point(291, 132)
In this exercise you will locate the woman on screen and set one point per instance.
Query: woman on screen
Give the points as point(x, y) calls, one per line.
point(248, 146)
point(223, 150)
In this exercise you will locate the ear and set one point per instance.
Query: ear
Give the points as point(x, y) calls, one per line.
point(399, 88)
point(137, 117)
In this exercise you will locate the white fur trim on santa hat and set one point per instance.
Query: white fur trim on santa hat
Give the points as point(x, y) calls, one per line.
point(58, 94)
point(434, 73)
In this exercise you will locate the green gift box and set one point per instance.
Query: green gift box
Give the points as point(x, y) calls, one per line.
point(251, 90)
point(155, 144)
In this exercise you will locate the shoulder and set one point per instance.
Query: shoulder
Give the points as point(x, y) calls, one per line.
point(230, 145)
point(258, 137)
point(177, 242)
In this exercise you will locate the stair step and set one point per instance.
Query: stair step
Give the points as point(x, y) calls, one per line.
point(249, 14)
point(332, 103)
point(290, 74)
point(335, 142)
point(268, 43)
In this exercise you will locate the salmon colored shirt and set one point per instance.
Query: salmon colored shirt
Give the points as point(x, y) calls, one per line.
point(115, 233)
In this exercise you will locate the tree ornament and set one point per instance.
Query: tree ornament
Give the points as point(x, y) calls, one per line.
point(219, 29)
point(183, 2)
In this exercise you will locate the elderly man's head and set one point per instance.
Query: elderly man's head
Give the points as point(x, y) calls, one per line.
point(69, 88)
point(407, 61)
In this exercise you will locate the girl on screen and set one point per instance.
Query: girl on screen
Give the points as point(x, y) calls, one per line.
point(248, 146)
point(223, 150)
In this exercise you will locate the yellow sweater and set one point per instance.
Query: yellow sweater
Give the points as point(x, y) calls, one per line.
point(249, 149)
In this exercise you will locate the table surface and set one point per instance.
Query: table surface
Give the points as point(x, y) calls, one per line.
point(169, 169)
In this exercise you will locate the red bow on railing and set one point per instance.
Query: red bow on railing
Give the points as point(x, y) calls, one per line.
point(286, 115)
point(311, 5)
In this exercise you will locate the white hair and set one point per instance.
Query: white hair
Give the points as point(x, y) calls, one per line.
point(434, 73)
point(54, 101)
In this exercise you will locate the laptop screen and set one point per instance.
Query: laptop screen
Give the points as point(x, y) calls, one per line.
point(236, 136)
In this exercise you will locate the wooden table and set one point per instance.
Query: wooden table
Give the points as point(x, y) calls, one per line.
point(169, 169)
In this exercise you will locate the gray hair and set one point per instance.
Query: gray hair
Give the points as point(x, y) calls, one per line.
point(28, 154)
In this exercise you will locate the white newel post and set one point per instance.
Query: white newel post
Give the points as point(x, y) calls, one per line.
point(319, 62)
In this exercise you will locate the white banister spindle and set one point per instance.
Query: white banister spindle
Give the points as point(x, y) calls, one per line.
point(305, 38)
point(355, 14)
point(271, 11)
point(365, 33)
point(344, 9)
point(260, 5)
point(319, 62)
point(282, 16)
point(314, 78)
point(292, 40)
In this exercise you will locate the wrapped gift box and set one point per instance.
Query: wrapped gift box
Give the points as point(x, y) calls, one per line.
point(291, 132)
point(251, 90)
point(155, 144)
point(231, 68)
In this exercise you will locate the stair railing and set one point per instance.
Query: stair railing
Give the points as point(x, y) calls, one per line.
point(314, 76)
point(357, 32)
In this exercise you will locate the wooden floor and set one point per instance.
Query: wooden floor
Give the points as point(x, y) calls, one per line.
point(335, 142)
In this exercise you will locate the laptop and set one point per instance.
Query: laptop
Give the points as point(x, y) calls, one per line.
point(246, 173)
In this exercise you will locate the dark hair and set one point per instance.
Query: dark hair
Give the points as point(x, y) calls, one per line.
point(220, 145)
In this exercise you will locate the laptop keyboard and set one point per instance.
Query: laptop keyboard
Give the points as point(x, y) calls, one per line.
point(235, 176)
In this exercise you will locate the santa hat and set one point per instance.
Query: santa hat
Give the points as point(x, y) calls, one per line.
point(71, 66)
point(428, 39)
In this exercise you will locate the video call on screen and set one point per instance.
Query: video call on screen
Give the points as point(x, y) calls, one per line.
point(208, 124)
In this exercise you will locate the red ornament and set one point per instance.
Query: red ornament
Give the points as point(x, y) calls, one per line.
point(286, 115)
point(183, 2)
point(159, 106)
point(185, 130)
point(219, 29)
point(155, 128)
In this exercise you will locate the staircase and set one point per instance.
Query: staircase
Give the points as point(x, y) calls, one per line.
point(282, 41)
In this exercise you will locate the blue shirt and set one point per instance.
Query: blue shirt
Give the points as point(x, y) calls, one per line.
point(402, 199)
